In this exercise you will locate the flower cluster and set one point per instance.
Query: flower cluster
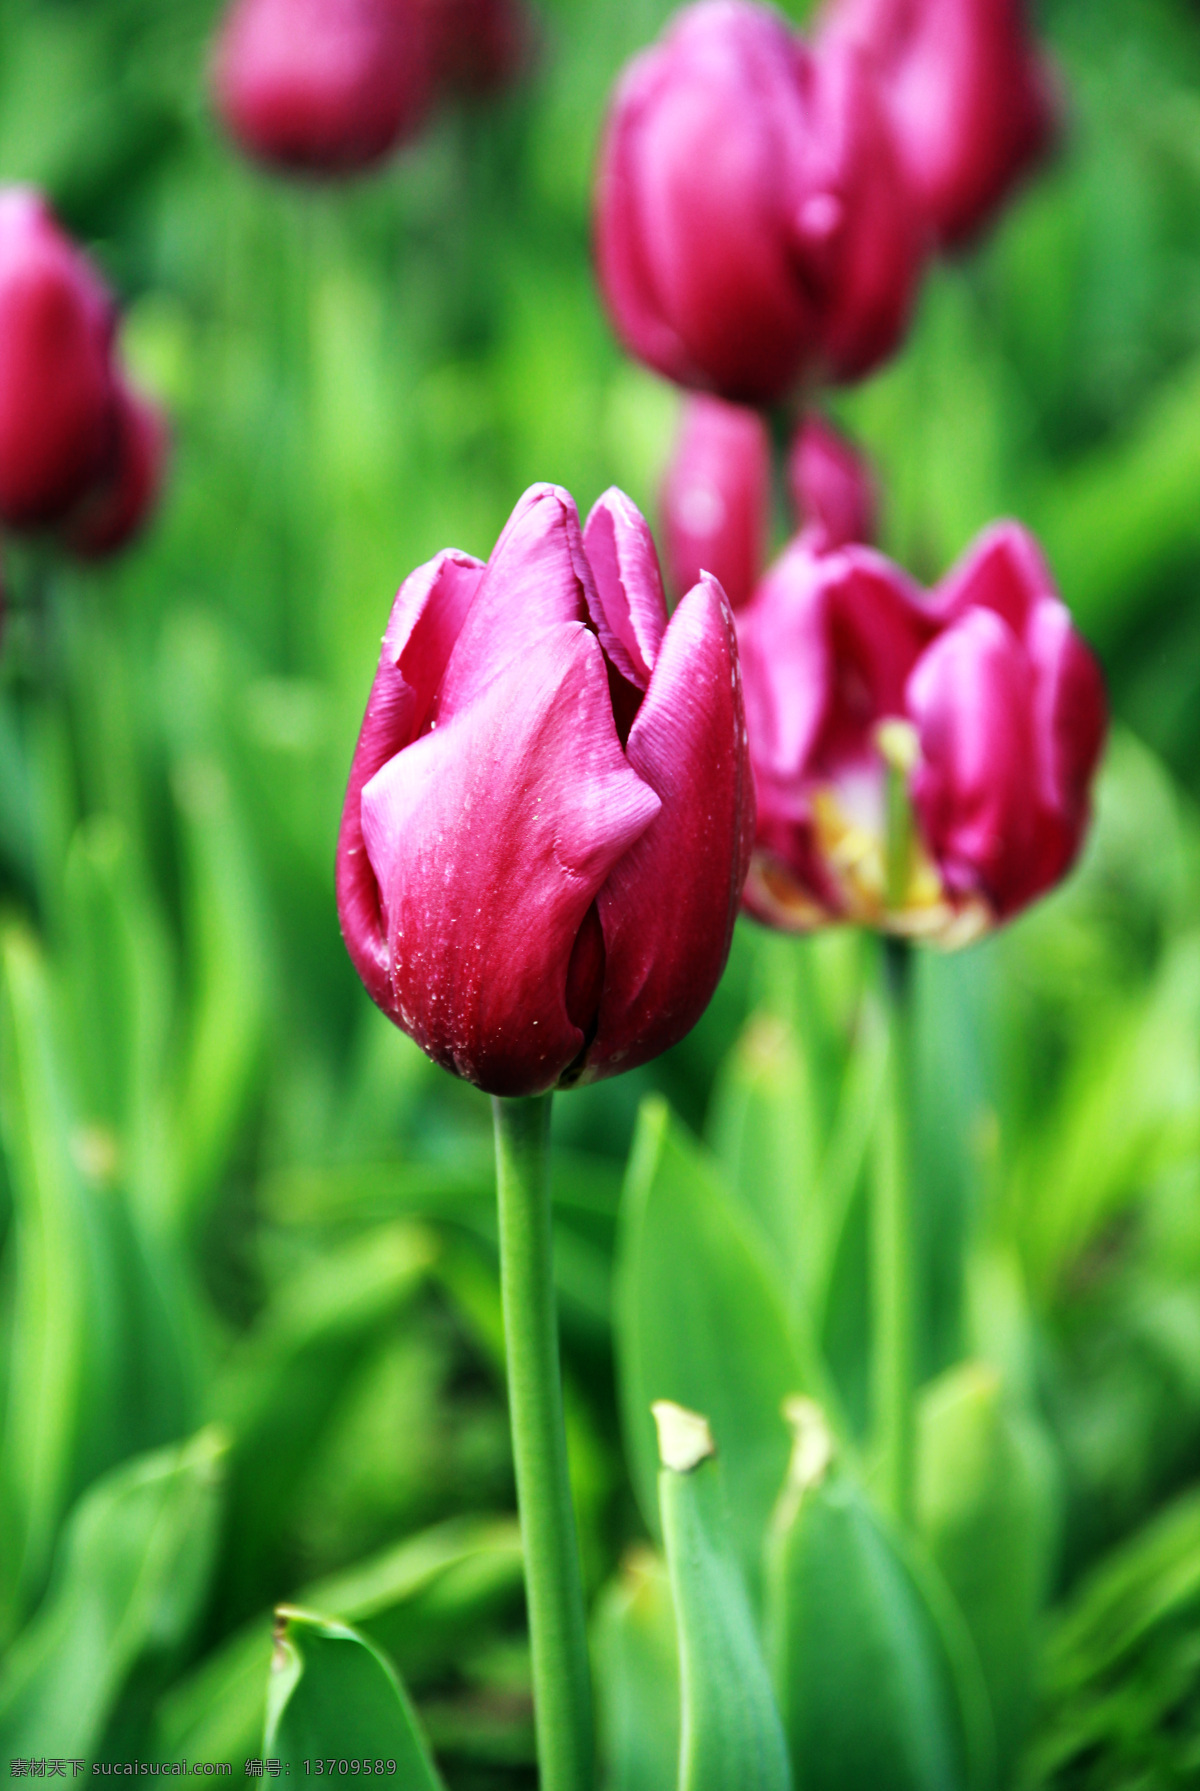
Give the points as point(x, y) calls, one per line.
point(329, 87)
point(765, 206)
point(81, 451)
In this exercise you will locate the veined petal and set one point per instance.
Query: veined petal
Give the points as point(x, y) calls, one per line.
point(668, 906)
point(631, 613)
point(489, 839)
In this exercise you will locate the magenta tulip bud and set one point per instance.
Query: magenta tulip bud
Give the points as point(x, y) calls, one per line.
point(549, 814)
point(56, 387)
point(832, 490)
point(716, 499)
point(322, 87)
point(979, 701)
point(479, 47)
point(972, 102)
point(753, 224)
point(121, 503)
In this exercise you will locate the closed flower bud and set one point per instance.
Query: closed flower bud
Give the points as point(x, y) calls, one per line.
point(972, 103)
point(832, 491)
point(56, 387)
point(549, 813)
point(753, 225)
point(716, 499)
point(113, 512)
point(923, 764)
point(322, 87)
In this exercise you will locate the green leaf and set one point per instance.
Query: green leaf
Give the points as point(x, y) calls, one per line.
point(424, 1600)
point(228, 949)
point(700, 1321)
point(730, 1728)
point(331, 1693)
point(118, 987)
point(764, 1132)
point(866, 1690)
point(130, 1581)
point(636, 1654)
point(986, 1508)
point(50, 1241)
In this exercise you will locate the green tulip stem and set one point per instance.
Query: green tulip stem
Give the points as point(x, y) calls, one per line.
point(893, 1367)
point(554, 1590)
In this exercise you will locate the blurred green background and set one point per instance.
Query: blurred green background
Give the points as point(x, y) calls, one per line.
point(250, 1339)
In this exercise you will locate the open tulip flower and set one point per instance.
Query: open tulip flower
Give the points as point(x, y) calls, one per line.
point(972, 102)
point(322, 87)
point(754, 227)
point(549, 814)
point(923, 762)
point(57, 397)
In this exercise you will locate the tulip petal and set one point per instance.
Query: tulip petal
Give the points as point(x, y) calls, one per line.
point(826, 648)
point(425, 620)
point(716, 499)
point(975, 790)
point(489, 839)
point(631, 614)
point(1071, 716)
point(537, 577)
point(621, 264)
point(1002, 570)
point(666, 929)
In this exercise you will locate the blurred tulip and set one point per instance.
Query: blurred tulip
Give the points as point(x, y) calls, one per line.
point(322, 87)
point(753, 225)
point(832, 491)
point(113, 512)
point(549, 813)
point(972, 102)
point(56, 388)
point(716, 499)
point(478, 46)
point(978, 706)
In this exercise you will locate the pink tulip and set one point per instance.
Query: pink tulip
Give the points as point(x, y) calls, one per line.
point(56, 388)
point(753, 225)
point(549, 814)
point(114, 511)
point(833, 493)
point(716, 499)
point(972, 102)
point(322, 87)
point(979, 698)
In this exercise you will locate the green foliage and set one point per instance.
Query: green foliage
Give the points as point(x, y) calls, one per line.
point(332, 1694)
point(867, 1691)
point(700, 1321)
point(730, 1731)
point(229, 1189)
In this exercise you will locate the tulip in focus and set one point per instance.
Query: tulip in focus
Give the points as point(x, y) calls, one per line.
point(754, 227)
point(322, 87)
point(120, 504)
point(972, 101)
point(549, 813)
point(832, 491)
point(56, 388)
point(716, 498)
point(923, 763)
